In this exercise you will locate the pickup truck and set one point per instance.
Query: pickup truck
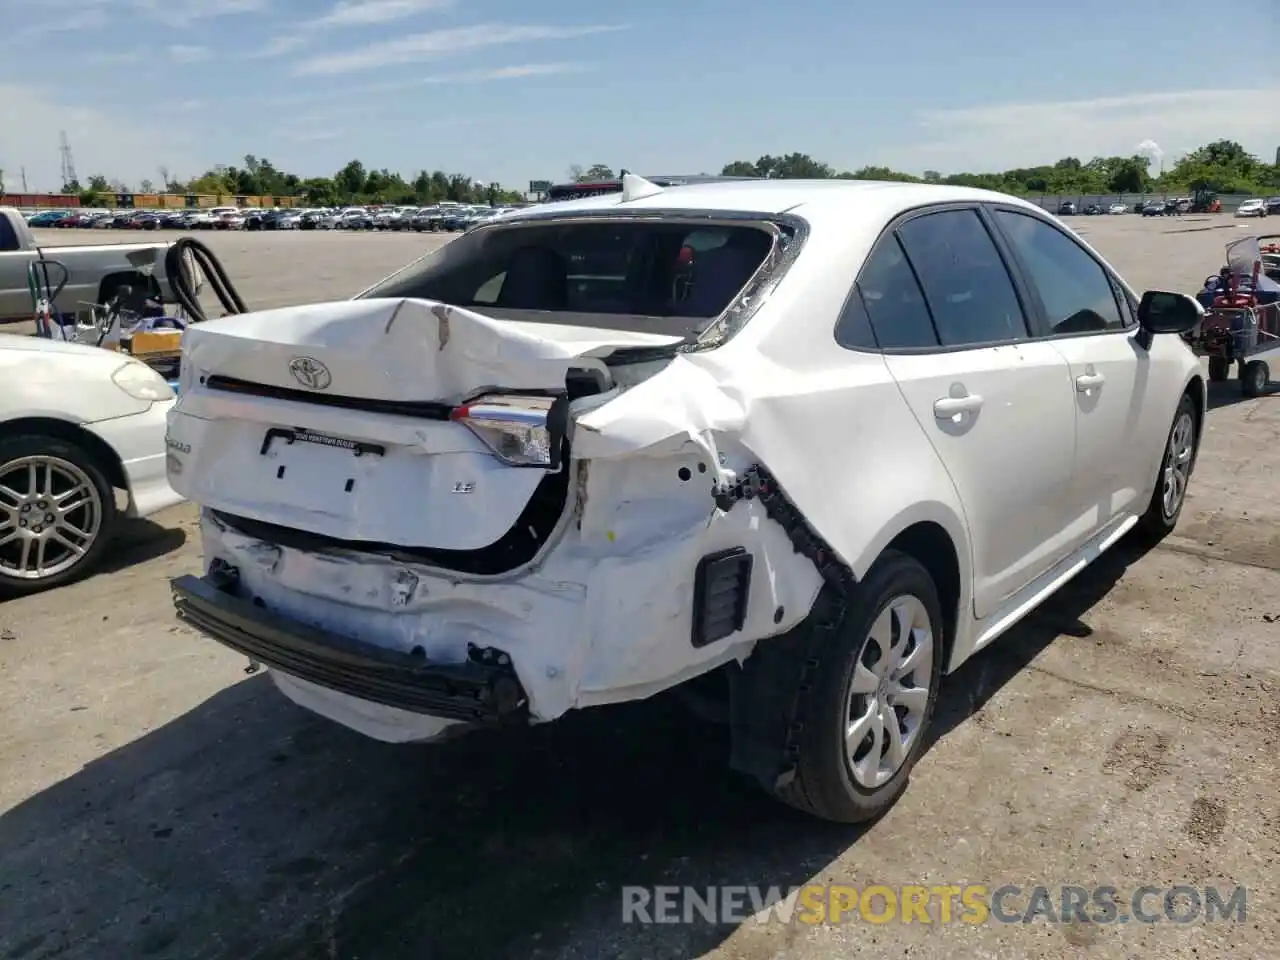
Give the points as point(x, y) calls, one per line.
point(96, 270)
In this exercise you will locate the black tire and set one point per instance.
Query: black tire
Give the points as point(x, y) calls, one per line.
point(1254, 377)
point(1159, 520)
point(15, 448)
point(1219, 369)
point(824, 784)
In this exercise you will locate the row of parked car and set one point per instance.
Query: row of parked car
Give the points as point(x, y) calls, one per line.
point(1174, 206)
point(446, 216)
point(1068, 208)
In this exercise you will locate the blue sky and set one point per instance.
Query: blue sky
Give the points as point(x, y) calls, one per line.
point(512, 91)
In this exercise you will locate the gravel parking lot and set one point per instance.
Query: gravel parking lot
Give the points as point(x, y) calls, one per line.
point(156, 802)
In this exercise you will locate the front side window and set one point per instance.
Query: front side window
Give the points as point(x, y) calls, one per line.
point(964, 278)
point(1077, 294)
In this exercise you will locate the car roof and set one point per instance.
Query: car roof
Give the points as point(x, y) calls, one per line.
point(881, 199)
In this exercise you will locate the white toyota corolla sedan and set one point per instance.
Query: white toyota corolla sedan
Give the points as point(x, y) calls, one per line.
point(77, 423)
point(806, 446)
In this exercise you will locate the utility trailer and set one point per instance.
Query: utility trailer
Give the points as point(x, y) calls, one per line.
point(132, 321)
point(1241, 323)
point(137, 319)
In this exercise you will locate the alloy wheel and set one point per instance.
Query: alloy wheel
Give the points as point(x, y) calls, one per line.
point(1177, 469)
point(889, 692)
point(50, 516)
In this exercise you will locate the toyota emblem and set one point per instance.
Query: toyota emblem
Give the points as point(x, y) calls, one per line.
point(310, 372)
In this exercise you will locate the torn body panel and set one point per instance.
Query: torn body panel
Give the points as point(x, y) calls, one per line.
point(812, 436)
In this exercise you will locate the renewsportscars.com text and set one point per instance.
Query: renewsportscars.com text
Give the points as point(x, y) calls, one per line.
point(958, 903)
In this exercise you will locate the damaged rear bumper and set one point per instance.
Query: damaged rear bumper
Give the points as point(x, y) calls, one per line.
point(638, 592)
point(481, 690)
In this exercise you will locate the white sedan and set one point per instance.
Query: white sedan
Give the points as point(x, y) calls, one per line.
point(77, 424)
point(1255, 207)
point(803, 446)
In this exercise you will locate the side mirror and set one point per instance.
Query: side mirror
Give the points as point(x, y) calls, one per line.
point(1163, 312)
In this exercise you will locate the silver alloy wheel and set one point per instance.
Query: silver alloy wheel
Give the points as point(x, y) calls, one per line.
point(1177, 469)
point(889, 692)
point(50, 515)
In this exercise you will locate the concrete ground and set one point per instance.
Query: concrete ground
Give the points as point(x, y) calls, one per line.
point(156, 802)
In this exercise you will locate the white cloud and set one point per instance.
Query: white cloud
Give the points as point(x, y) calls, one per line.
point(365, 109)
point(279, 46)
point(114, 57)
point(437, 44)
point(92, 19)
point(328, 116)
point(116, 146)
point(178, 13)
point(94, 14)
point(348, 14)
point(185, 53)
point(361, 13)
point(310, 136)
point(512, 73)
point(519, 72)
point(286, 99)
point(1026, 134)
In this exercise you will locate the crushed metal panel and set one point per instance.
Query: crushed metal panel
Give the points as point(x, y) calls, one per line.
point(431, 351)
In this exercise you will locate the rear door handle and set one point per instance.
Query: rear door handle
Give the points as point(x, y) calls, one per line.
point(946, 408)
point(1087, 381)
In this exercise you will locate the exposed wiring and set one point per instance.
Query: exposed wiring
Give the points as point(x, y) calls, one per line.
point(181, 262)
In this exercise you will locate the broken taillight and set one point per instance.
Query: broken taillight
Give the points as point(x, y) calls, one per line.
point(521, 431)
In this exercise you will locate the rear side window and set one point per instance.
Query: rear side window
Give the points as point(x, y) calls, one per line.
point(619, 268)
point(964, 279)
point(8, 236)
point(893, 301)
point(1077, 294)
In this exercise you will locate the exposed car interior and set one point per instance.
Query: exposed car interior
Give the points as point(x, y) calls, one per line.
point(641, 269)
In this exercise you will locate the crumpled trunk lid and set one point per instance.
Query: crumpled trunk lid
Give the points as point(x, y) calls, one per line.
point(400, 350)
point(334, 419)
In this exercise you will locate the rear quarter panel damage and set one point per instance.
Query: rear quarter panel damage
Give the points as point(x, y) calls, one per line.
point(841, 442)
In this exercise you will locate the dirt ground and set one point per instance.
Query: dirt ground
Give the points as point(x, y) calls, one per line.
point(156, 802)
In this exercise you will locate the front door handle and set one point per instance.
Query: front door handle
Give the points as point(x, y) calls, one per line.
point(947, 408)
point(1088, 381)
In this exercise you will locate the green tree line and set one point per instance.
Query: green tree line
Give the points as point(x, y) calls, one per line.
point(1223, 166)
point(258, 176)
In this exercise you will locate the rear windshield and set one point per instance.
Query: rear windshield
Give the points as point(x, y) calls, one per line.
point(615, 274)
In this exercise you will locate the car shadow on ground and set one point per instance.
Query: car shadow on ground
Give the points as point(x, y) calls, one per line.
point(1227, 392)
point(247, 828)
point(137, 541)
